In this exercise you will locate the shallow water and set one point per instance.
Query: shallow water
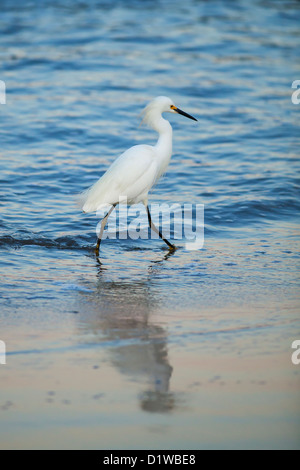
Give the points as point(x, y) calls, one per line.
point(147, 350)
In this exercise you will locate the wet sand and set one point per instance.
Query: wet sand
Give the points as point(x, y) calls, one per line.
point(106, 366)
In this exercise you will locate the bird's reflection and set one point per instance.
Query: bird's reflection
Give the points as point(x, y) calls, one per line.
point(121, 314)
point(168, 254)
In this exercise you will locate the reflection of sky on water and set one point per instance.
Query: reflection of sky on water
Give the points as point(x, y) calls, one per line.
point(77, 76)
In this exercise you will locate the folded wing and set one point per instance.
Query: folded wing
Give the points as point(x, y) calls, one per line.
point(130, 176)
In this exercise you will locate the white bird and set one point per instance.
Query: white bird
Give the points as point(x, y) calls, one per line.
point(136, 171)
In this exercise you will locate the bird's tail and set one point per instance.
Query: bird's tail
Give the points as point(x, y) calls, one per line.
point(81, 198)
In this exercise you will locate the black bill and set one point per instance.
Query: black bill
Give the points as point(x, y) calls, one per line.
point(179, 111)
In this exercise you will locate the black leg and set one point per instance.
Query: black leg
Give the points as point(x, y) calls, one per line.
point(103, 223)
point(152, 226)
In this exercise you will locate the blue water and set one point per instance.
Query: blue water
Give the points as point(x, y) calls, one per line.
point(77, 76)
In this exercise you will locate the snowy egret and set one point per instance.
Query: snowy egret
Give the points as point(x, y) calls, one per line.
point(135, 171)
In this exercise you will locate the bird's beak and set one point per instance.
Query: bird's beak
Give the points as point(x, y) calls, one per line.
point(179, 111)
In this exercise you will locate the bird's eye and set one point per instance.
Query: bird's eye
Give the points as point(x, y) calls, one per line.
point(172, 106)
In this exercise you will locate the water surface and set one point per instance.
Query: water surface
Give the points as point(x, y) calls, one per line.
point(145, 350)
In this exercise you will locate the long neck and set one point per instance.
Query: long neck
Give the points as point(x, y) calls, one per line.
point(164, 143)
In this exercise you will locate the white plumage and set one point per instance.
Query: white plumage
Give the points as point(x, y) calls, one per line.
point(134, 173)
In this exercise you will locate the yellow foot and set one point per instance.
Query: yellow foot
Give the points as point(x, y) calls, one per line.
point(172, 248)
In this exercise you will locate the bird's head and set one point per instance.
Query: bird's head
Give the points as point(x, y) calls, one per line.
point(161, 104)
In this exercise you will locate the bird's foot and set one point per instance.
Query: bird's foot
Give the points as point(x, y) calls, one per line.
point(172, 248)
point(97, 248)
